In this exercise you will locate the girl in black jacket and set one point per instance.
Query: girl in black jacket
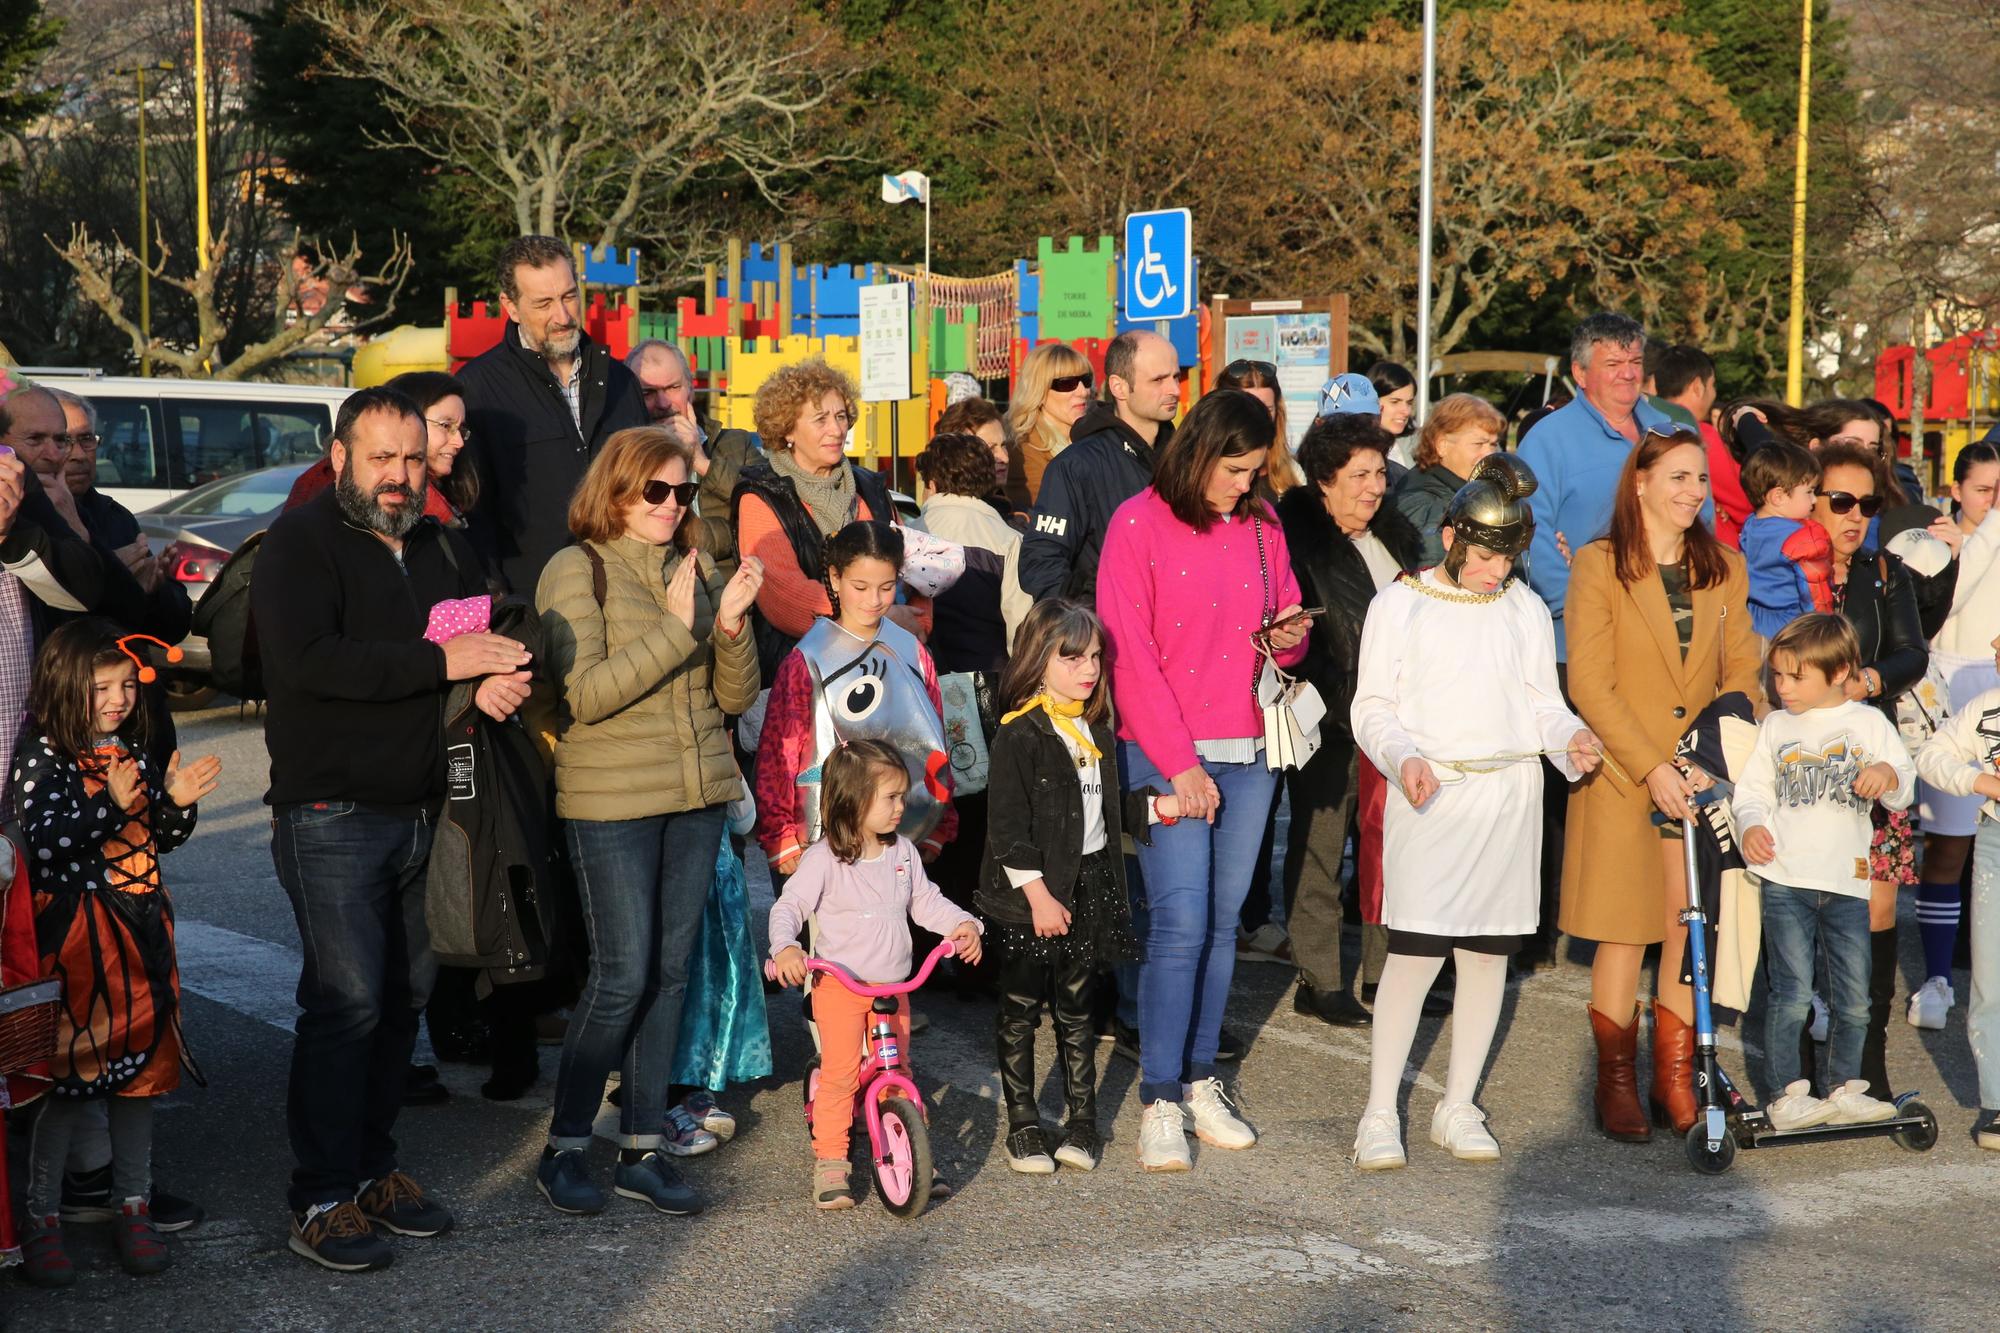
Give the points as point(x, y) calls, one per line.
point(1053, 889)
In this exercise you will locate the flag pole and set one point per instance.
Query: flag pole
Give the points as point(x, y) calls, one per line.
point(928, 187)
point(1425, 195)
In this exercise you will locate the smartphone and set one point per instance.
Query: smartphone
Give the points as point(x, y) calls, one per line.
point(1303, 613)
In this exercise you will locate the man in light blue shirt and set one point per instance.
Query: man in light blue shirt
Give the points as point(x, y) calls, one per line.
point(1578, 450)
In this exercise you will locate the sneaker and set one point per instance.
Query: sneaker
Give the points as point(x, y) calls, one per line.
point(1229, 1047)
point(1081, 1148)
point(1822, 1018)
point(422, 1088)
point(711, 1117)
point(1378, 1142)
point(564, 1180)
point(43, 1258)
point(1215, 1119)
point(1853, 1106)
point(1460, 1129)
point(337, 1236)
point(400, 1204)
point(1798, 1108)
point(655, 1180)
point(830, 1186)
point(1124, 1040)
point(685, 1137)
point(86, 1198)
point(141, 1249)
point(1163, 1142)
point(1267, 944)
point(1028, 1152)
point(172, 1213)
point(1986, 1133)
point(1931, 1003)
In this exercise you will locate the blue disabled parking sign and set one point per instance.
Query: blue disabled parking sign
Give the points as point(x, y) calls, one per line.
point(1159, 264)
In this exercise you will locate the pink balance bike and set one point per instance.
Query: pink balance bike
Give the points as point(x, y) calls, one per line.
point(899, 1144)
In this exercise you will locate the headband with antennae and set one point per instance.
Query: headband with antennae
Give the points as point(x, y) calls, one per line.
point(146, 674)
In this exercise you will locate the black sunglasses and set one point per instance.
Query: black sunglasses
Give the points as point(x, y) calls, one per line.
point(1070, 383)
point(1236, 370)
point(1840, 502)
point(655, 492)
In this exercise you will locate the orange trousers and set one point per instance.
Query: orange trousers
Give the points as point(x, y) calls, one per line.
point(843, 1019)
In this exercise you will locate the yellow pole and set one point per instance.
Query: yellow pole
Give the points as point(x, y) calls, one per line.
point(200, 143)
point(1795, 336)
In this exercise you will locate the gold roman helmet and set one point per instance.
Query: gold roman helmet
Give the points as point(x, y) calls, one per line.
point(1491, 510)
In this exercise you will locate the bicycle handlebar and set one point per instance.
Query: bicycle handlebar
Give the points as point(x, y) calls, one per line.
point(945, 949)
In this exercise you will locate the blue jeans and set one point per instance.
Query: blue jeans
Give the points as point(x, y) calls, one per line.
point(1197, 876)
point(1794, 920)
point(644, 883)
point(356, 880)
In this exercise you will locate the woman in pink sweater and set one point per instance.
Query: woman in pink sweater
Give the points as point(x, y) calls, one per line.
point(1194, 571)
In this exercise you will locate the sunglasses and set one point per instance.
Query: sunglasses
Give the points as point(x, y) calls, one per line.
point(1236, 370)
point(1071, 383)
point(1840, 502)
point(655, 492)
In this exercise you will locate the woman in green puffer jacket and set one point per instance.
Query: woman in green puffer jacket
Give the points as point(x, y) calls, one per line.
point(1462, 429)
point(651, 649)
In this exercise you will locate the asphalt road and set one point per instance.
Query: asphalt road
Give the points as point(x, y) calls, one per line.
point(1568, 1230)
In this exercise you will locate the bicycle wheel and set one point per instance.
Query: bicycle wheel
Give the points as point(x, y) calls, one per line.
point(902, 1159)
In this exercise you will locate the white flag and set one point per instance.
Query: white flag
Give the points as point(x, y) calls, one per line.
point(913, 185)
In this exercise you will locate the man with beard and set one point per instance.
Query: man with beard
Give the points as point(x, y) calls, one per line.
point(342, 596)
point(540, 403)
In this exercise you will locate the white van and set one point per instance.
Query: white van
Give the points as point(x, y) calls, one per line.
point(162, 437)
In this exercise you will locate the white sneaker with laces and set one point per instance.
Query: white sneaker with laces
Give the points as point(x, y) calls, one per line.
point(1163, 1142)
point(1266, 944)
point(1822, 1018)
point(1378, 1142)
point(1853, 1106)
point(1798, 1108)
point(1215, 1120)
point(1460, 1129)
point(1931, 1003)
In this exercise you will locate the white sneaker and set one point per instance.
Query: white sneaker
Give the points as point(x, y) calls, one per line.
point(1822, 1018)
point(1460, 1129)
point(1931, 1003)
point(1163, 1142)
point(1798, 1108)
point(1853, 1106)
point(1378, 1142)
point(1215, 1120)
point(1266, 944)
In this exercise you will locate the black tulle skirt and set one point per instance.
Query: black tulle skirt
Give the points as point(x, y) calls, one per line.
point(1100, 923)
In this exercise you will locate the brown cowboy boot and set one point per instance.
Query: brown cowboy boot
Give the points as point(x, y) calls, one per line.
point(1618, 1111)
point(1672, 1093)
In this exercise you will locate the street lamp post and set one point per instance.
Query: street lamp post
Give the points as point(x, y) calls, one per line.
point(1425, 203)
point(145, 233)
point(1795, 331)
point(200, 142)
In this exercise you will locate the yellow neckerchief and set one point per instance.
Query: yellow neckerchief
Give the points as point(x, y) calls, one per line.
point(1061, 715)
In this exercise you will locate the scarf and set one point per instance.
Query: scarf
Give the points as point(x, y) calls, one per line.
point(830, 501)
point(1064, 716)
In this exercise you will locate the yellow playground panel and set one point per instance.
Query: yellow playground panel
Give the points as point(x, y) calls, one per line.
point(754, 360)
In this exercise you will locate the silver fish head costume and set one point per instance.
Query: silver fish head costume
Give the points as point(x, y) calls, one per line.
point(875, 691)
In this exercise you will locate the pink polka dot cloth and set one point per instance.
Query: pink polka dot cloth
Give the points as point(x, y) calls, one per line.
point(459, 615)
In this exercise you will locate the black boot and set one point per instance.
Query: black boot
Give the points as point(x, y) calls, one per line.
point(1069, 1006)
point(1020, 983)
point(1881, 1004)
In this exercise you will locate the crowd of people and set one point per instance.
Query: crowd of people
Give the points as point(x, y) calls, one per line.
point(547, 652)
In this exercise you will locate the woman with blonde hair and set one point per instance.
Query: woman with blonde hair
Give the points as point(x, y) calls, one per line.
point(1050, 396)
point(651, 647)
point(1461, 430)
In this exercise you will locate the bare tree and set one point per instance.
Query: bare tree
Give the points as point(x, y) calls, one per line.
point(296, 325)
point(603, 120)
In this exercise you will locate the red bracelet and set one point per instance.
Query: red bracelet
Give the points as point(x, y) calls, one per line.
point(1166, 821)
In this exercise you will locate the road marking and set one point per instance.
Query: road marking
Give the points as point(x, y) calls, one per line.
point(254, 977)
point(1184, 1270)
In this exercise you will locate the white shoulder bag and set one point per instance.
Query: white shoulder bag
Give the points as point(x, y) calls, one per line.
point(1292, 708)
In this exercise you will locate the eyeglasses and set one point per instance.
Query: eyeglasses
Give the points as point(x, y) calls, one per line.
point(1841, 502)
point(1071, 383)
point(655, 492)
point(458, 428)
point(61, 441)
point(1856, 442)
point(1237, 370)
point(1676, 431)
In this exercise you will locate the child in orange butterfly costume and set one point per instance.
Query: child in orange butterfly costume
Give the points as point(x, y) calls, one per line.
point(94, 818)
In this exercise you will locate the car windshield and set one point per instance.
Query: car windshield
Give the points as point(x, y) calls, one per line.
point(247, 496)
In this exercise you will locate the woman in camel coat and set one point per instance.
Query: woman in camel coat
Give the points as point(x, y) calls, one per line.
point(1659, 626)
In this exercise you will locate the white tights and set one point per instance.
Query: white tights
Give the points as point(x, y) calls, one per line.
point(1399, 1002)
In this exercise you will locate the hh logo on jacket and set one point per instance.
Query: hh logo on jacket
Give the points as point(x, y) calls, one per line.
point(1050, 525)
point(1810, 777)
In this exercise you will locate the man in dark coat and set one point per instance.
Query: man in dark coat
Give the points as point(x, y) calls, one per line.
point(666, 381)
point(540, 402)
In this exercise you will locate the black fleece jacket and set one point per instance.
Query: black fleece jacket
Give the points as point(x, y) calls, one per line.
point(356, 691)
point(1106, 464)
point(1332, 574)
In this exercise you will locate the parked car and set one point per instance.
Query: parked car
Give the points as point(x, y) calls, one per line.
point(201, 530)
point(162, 437)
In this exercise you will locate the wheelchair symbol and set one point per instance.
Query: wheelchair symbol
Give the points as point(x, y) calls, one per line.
point(1151, 265)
